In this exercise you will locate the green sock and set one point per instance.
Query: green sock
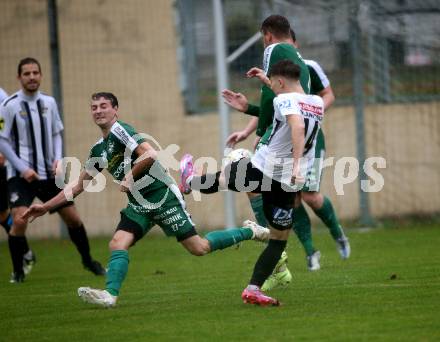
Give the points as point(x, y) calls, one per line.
point(328, 215)
point(303, 229)
point(220, 239)
point(257, 208)
point(117, 270)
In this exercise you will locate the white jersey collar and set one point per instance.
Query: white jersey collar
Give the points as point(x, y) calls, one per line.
point(25, 97)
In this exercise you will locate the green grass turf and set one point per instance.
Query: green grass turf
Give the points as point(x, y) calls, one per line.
point(170, 295)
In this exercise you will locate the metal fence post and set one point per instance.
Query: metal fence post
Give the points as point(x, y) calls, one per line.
point(191, 96)
point(52, 15)
point(222, 83)
point(358, 92)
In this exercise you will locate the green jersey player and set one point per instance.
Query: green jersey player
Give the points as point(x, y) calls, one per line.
point(153, 198)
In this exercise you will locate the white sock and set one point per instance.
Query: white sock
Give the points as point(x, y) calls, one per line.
point(252, 288)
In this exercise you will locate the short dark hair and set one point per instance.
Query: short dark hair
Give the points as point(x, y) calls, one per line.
point(108, 96)
point(293, 35)
point(27, 60)
point(285, 68)
point(277, 25)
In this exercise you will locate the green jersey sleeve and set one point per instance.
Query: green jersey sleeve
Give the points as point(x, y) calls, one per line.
point(318, 79)
point(253, 110)
point(266, 110)
point(316, 85)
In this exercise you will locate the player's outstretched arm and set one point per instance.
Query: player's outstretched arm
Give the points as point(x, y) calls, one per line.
point(74, 188)
point(235, 138)
point(259, 73)
point(34, 211)
point(236, 100)
point(239, 136)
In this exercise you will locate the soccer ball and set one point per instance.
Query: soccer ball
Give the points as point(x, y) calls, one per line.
point(236, 155)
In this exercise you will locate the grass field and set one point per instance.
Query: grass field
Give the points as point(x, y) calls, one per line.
point(170, 295)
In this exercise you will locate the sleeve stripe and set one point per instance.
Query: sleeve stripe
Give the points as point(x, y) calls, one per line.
point(16, 142)
point(9, 99)
point(124, 137)
point(266, 57)
point(323, 77)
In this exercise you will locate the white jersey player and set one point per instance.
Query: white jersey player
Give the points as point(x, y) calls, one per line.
point(274, 171)
point(275, 159)
point(33, 127)
point(31, 141)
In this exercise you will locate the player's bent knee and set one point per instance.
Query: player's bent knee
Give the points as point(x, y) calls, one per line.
point(116, 244)
point(19, 223)
point(313, 199)
point(196, 246)
point(122, 240)
point(4, 215)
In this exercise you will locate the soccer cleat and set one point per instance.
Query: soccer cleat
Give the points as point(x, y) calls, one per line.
point(16, 278)
point(281, 264)
point(277, 280)
point(29, 260)
point(98, 297)
point(95, 267)
point(259, 233)
point(186, 171)
point(344, 248)
point(313, 261)
point(259, 298)
point(280, 277)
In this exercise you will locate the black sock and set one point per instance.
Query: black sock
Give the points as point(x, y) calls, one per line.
point(7, 223)
point(25, 246)
point(267, 261)
point(78, 235)
point(16, 249)
point(206, 184)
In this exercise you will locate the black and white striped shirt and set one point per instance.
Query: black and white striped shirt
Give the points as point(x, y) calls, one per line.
point(32, 126)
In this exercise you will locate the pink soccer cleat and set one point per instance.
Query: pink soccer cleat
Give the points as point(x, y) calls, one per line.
point(186, 171)
point(259, 298)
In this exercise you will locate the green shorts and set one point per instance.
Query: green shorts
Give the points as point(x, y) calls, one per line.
point(313, 179)
point(167, 210)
